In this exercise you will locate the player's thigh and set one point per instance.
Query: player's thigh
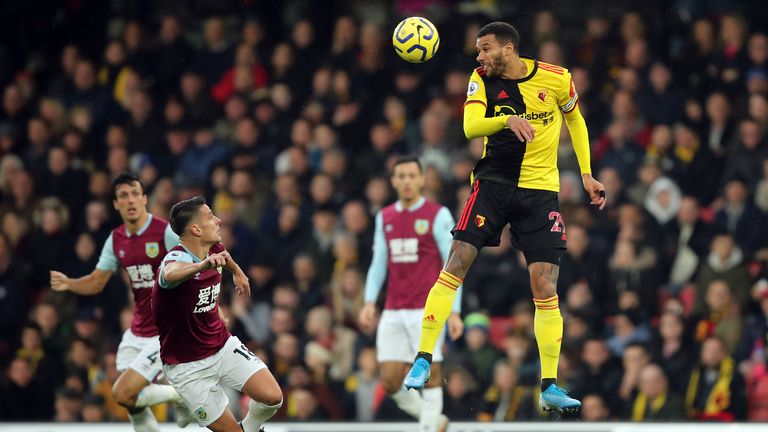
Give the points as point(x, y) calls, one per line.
point(239, 366)
point(482, 219)
point(198, 385)
point(127, 351)
point(225, 423)
point(537, 227)
point(393, 342)
point(148, 363)
point(412, 319)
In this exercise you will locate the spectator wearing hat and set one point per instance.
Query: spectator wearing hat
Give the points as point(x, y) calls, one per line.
point(478, 355)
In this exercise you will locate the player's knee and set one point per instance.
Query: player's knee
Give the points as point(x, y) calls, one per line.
point(123, 395)
point(273, 398)
point(461, 258)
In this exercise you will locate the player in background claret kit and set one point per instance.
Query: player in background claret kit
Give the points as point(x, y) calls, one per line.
point(199, 355)
point(518, 105)
point(138, 246)
point(411, 242)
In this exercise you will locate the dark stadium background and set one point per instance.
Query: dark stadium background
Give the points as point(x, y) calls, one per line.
point(292, 150)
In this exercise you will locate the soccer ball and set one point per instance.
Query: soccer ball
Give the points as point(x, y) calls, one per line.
point(415, 39)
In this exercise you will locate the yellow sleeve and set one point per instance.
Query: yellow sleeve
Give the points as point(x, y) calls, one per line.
point(475, 123)
point(568, 100)
point(579, 137)
point(567, 96)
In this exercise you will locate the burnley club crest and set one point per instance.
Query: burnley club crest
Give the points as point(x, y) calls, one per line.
point(421, 226)
point(152, 249)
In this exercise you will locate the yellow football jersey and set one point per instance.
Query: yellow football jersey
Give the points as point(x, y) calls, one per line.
point(540, 97)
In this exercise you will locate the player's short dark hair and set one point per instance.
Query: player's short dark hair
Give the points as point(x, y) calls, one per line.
point(126, 178)
point(407, 159)
point(504, 33)
point(183, 211)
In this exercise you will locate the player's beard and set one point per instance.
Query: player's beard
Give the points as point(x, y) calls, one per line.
point(498, 66)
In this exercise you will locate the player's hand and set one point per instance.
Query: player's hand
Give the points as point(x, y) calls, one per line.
point(367, 316)
point(595, 189)
point(216, 260)
point(59, 281)
point(242, 286)
point(521, 127)
point(455, 326)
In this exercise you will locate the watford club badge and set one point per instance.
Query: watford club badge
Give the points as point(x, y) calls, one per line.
point(479, 221)
point(543, 94)
point(152, 249)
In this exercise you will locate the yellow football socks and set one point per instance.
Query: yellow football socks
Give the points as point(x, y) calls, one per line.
point(548, 329)
point(437, 309)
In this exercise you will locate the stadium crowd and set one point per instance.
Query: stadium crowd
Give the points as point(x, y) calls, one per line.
point(287, 118)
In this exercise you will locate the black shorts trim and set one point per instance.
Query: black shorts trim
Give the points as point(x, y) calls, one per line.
point(552, 256)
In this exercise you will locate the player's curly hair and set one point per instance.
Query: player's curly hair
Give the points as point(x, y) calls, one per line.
point(183, 211)
point(504, 33)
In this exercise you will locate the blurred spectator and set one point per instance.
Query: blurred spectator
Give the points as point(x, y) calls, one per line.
point(746, 155)
point(694, 175)
point(337, 339)
point(582, 262)
point(723, 316)
point(593, 408)
point(634, 358)
point(686, 244)
point(362, 384)
point(104, 381)
point(721, 125)
point(663, 103)
point(303, 406)
point(715, 390)
point(673, 350)
point(461, 400)
point(246, 76)
point(654, 400)
point(216, 56)
point(68, 405)
point(479, 355)
point(740, 218)
point(663, 200)
point(505, 400)
point(24, 396)
point(598, 372)
point(725, 262)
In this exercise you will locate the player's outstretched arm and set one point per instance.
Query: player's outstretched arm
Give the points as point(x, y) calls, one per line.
point(242, 285)
point(90, 284)
point(177, 271)
point(577, 127)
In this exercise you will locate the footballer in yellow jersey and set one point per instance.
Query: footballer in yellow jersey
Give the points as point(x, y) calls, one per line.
point(518, 105)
